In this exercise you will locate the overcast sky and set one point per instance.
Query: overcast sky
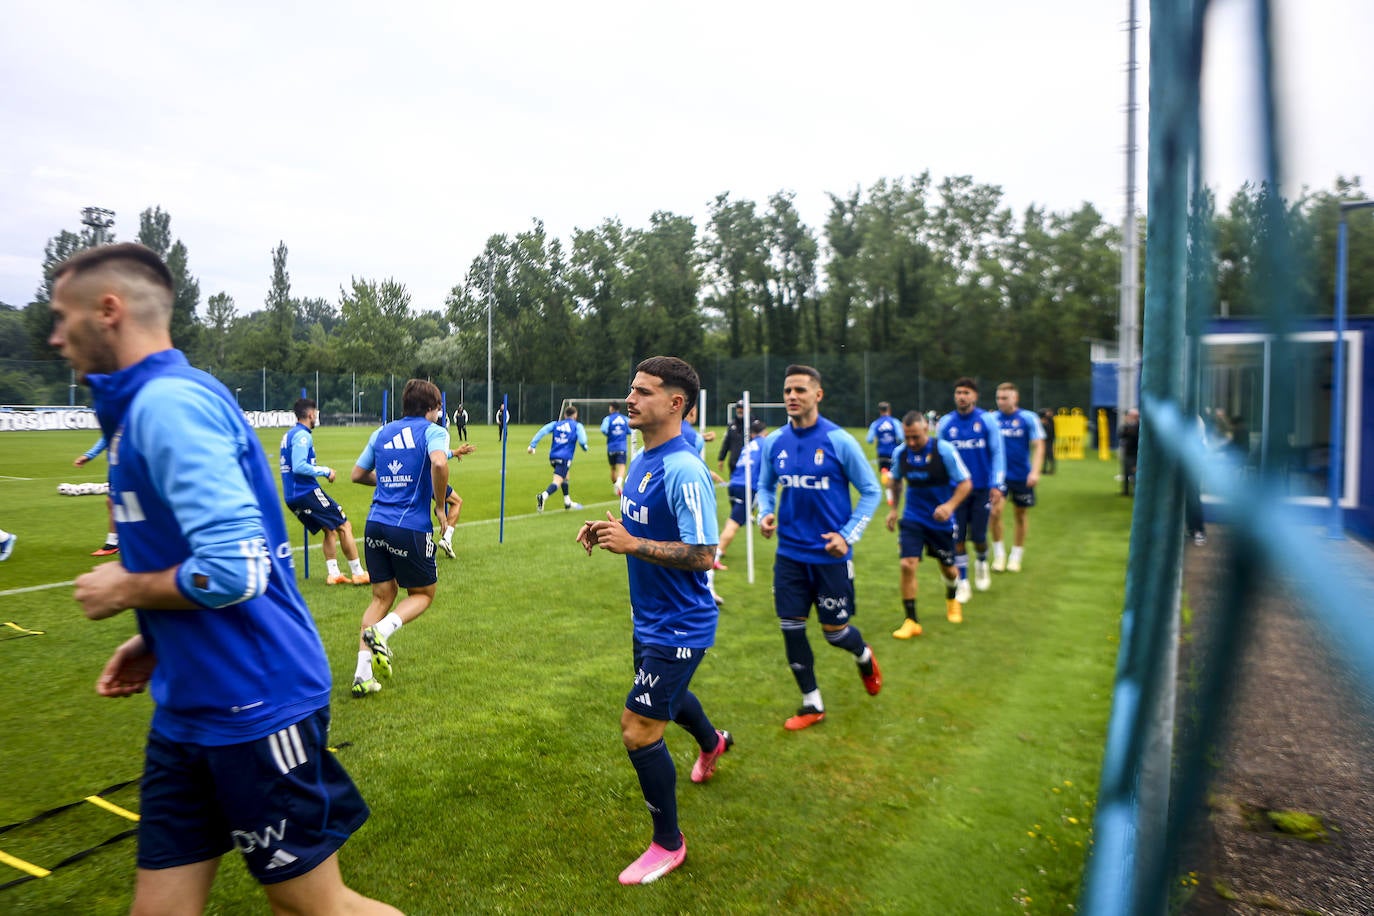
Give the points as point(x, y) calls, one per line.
point(390, 140)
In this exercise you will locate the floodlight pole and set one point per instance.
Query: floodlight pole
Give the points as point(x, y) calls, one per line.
point(1128, 346)
point(1335, 527)
point(97, 219)
point(490, 274)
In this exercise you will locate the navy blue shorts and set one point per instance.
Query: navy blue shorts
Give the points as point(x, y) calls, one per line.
point(737, 515)
point(828, 586)
point(401, 554)
point(662, 674)
point(972, 517)
point(884, 464)
point(615, 458)
point(561, 467)
point(284, 801)
point(912, 537)
point(1020, 494)
point(318, 511)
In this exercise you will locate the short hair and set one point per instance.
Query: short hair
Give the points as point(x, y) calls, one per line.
point(1008, 386)
point(675, 373)
point(570, 411)
point(966, 382)
point(132, 260)
point(614, 405)
point(419, 397)
point(884, 407)
point(799, 369)
point(757, 426)
point(302, 407)
point(911, 416)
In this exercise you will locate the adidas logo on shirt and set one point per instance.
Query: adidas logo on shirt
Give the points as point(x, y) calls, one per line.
point(403, 439)
point(643, 700)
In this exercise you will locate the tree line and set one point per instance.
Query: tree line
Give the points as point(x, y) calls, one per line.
point(939, 271)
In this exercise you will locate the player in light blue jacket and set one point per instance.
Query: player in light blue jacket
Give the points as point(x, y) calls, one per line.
point(567, 434)
point(814, 462)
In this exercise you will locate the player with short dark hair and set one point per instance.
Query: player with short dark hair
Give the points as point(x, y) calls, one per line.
point(567, 434)
point(316, 509)
point(887, 432)
point(225, 642)
point(937, 482)
point(667, 531)
point(815, 462)
point(976, 435)
point(1023, 445)
point(407, 461)
point(616, 428)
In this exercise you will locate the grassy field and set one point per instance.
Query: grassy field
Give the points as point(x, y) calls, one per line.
point(493, 763)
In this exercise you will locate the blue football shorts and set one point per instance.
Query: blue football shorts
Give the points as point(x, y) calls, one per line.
point(913, 537)
point(737, 515)
point(561, 467)
point(318, 511)
point(1020, 494)
point(283, 801)
point(829, 587)
point(662, 675)
point(401, 554)
point(615, 458)
point(972, 516)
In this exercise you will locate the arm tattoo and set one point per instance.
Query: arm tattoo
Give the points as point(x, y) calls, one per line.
point(676, 555)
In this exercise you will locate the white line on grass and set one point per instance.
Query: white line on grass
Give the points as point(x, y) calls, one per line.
point(486, 521)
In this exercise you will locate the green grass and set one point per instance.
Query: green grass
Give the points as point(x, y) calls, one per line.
point(493, 761)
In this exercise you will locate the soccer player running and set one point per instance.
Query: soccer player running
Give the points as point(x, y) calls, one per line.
point(616, 429)
point(453, 503)
point(316, 509)
point(567, 434)
point(887, 433)
point(815, 462)
point(667, 531)
point(111, 545)
point(748, 464)
point(1023, 448)
point(937, 482)
point(407, 461)
point(225, 643)
point(978, 438)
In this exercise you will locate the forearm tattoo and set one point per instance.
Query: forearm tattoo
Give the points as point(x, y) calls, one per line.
point(676, 555)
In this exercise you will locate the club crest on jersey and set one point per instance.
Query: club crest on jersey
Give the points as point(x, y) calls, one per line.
point(977, 427)
point(820, 456)
point(643, 484)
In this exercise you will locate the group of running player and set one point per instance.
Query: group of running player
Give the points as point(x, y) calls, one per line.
point(958, 478)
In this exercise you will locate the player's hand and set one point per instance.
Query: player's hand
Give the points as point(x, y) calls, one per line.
point(835, 544)
point(996, 498)
point(80, 460)
point(942, 512)
point(128, 670)
point(892, 520)
point(1032, 478)
point(101, 592)
point(530, 449)
point(331, 475)
point(467, 448)
point(768, 524)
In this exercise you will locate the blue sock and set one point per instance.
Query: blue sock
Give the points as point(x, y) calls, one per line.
point(799, 657)
point(982, 552)
point(658, 782)
point(565, 488)
point(848, 639)
point(553, 488)
point(961, 564)
point(692, 717)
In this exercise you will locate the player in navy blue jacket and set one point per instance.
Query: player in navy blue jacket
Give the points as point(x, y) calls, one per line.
point(667, 532)
point(1023, 444)
point(238, 743)
point(815, 462)
point(978, 438)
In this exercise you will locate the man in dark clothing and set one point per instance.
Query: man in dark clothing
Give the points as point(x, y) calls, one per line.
point(734, 442)
point(1128, 437)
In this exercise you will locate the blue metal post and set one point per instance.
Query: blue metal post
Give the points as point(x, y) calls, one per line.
point(505, 436)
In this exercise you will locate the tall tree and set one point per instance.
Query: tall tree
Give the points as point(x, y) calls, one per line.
point(791, 276)
point(214, 335)
point(155, 232)
point(735, 268)
point(376, 335)
point(281, 311)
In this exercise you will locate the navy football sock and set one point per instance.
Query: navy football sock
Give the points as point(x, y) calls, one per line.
point(658, 782)
point(692, 717)
point(799, 657)
point(848, 639)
